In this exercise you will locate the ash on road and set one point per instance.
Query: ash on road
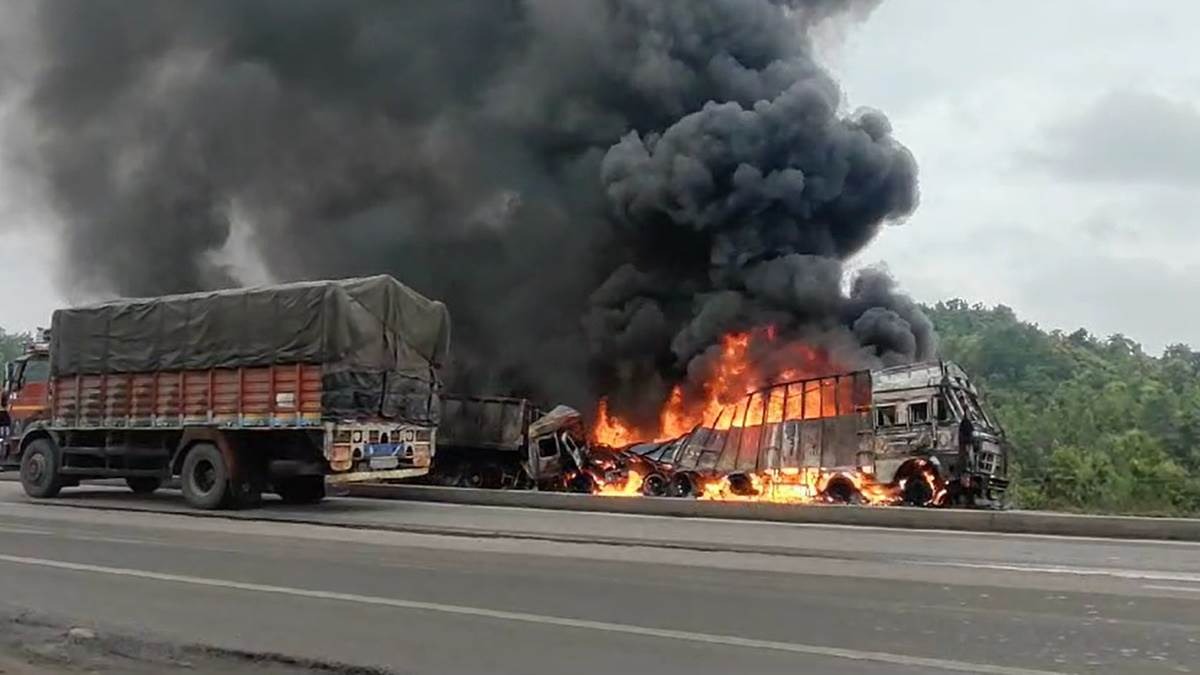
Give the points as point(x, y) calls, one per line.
point(492, 590)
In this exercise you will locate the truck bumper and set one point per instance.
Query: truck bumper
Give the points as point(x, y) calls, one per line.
point(989, 490)
point(373, 476)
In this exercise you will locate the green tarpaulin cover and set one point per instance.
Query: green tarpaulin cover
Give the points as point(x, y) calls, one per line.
point(380, 343)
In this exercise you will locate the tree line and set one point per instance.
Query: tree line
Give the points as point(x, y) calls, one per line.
point(1095, 424)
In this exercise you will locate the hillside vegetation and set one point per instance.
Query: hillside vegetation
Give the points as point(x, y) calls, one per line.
point(1095, 424)
point(11, 345)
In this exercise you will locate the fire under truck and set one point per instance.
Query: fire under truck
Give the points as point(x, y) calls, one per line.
point(237, 392)
point(913, 434)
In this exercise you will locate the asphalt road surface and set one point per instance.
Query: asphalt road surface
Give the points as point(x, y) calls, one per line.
point(431, 588)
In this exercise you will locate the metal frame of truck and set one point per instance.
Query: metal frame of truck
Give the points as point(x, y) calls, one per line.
point(887, 424)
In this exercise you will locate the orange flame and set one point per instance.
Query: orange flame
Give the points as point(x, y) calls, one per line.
point(611, 431)
point(734, 374)
point(811, 485)
point(745, 363)
point(631, 486)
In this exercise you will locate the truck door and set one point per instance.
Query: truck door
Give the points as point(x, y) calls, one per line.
point(545, 457)
point(28, 392)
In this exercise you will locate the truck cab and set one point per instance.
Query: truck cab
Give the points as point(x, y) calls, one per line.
point(932, 411)
point(25, 397)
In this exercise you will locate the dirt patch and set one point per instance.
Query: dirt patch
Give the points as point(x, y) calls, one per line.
point(37, 645)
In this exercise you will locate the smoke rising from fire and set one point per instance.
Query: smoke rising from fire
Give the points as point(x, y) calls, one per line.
point(599, 189)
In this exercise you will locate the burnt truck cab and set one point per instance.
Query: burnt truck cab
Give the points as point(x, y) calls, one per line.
point(501, 442)
point(932, 410)
point(25, 396)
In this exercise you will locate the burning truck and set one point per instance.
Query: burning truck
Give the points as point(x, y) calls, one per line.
point(914, 435)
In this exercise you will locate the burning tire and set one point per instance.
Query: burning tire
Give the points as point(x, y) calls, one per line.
point(916, 488)
point(581, 483)
point(654, 485)
point(842, 491)
point(682, 485)
point(741, 485)
point(917, 492)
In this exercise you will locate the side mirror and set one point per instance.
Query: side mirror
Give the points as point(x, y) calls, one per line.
point(10, 368)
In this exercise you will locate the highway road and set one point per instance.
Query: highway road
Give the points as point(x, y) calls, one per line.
point(435, 588)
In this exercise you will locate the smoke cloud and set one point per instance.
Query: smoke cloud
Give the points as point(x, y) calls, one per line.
point(598, 189)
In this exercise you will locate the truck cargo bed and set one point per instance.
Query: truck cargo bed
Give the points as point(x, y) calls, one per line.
point(268, 396)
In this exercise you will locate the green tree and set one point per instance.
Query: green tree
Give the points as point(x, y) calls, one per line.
point(11, 344)
point(1095, 424)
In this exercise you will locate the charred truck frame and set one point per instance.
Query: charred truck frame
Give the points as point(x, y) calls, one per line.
point(916, 434)
point(497, 442)
point(237, 392)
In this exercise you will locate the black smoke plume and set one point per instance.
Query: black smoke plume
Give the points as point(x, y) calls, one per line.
point(597, 188)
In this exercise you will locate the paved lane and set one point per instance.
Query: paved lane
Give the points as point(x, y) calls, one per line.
point(838, 601)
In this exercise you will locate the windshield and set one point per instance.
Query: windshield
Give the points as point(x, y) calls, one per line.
point(36, 370)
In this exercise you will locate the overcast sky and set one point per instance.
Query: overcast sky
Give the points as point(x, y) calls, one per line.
point(1059, 146)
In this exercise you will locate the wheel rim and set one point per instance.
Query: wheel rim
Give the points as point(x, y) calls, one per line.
point(35, 468)
point(204, 476)
point(655, 485)
point(683, 487)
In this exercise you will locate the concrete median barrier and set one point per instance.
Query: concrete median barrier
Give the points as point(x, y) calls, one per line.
point(1013, 522)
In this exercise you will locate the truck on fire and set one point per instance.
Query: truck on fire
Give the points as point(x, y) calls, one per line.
point(913, 434)
point(276, 388)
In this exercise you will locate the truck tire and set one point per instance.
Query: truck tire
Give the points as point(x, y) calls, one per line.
point(143, 485)
point(301, 489)
point(842, 491)
point(39, 469)
point(655, 485)
point(917, 492)
point(681, 486)
point(205, 478)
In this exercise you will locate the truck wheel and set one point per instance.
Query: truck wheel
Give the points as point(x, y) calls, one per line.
point(655, 485)
point(301, 489)
point(581, 483)
point(842, 491)
point(205, 478)
point(917, 492)
point(143, 485)
point(681, 486)
point(39, 469)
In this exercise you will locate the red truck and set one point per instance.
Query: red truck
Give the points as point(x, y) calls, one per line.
point(236, 392)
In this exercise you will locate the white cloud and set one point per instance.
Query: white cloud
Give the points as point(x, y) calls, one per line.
point(975, 88)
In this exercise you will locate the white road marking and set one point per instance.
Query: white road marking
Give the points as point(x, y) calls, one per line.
point(23, 530)
point(70, 535)
point(604, 626)
point(1144, 575)
point(1184, 589)
point(106, 540)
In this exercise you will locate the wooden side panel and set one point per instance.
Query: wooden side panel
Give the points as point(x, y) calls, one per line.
point(284, 396)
